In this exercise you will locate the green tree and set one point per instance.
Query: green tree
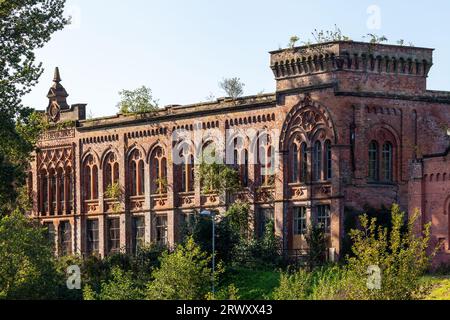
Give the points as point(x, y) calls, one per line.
point(27, 269)
point(25, 25)
point(183, 275)
point(233, 87)
point(120, 287)
point(292, 42)
point(215, 176)
point(402, 256)
point(317, 246)
point(139, 101)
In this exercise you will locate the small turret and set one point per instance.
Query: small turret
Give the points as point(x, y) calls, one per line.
point(57, 97)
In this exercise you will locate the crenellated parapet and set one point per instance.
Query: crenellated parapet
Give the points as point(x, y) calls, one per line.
point(357, 57)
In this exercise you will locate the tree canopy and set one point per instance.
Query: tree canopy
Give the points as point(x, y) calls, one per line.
point(138, 101)
point(25, 25)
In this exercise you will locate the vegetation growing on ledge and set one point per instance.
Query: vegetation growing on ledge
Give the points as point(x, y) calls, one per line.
point(233, 87)
point(138, 102)
point(324, 36)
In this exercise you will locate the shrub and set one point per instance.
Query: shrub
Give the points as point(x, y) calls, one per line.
point(233, 87)
point(27, 266)
point(401, 256)
point(228, 293)
point(138, 101)
point(259, 253)
point(183, 275)
point(120, 287)
point(317, 244)
point(294, 287)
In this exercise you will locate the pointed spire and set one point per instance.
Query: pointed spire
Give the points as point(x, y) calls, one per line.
point(57, 93)
point(57, 76)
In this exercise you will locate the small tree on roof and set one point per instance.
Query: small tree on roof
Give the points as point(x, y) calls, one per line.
point(233, 87)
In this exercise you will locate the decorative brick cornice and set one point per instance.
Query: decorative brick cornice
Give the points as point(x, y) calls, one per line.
point(351, 56)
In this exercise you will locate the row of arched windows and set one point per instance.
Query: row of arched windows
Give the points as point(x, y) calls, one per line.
point(136, 177)
point(321, 161)
point(56, 196)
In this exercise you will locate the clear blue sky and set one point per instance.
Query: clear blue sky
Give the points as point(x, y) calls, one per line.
point(182, 49)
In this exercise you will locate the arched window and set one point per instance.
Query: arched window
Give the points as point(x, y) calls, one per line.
point(244, 170)
point(183, 178)
point(136, 165)
point(158, 171)
point(110, 171)
point(61, 191)
point(303, 162)
point(317, 161)
point(266, 155)
point(53, 191)
point(187, 172)
point(69, 188)
point(299, 161)
point(373, 161)
point(387, 162)
point(240, 161)
point(295, 177)
point(94, 182)
point(191, 170)
point(43, 194)
point(90, 175)
point(328, 161)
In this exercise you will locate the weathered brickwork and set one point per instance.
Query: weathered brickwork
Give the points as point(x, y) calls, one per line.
point(353, 119)
point(429, 195)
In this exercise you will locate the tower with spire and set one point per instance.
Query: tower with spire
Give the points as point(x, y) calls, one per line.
point(58, 108)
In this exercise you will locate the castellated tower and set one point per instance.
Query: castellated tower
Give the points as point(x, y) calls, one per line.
point(354, 67)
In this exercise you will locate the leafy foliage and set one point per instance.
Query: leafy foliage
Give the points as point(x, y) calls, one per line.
point(317, 244)
point(120, 287)
point(233, 87)
point(292, 41)
point(183, 275)
point(401, 256)
point(228, 293)
point(138, 101)
point(216, 177)
point(25, 25)
point(324, 283)
point(293, 287)
point(375, 39)
point(27, 269)
point(264, 252)
point(322, 36)
point(239, 218)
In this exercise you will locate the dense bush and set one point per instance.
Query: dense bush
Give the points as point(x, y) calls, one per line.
point(317, 244)
point(27, 269)
point(260, 253)
point(183, 275)
point(399, 253)
point(121, 286)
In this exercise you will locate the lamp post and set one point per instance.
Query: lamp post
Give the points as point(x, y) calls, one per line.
point(212, 214)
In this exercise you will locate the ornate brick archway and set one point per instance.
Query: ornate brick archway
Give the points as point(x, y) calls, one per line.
point(308, 118)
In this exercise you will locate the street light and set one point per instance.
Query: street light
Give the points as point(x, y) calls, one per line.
point(212, 214)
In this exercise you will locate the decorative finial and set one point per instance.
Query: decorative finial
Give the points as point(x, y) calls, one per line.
point(57, 76)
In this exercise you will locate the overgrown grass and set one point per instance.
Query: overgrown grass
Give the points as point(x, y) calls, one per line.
point(252, 284)
point(439, 287)
point(261, 284)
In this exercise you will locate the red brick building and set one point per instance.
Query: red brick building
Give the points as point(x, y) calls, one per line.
point(346, 124)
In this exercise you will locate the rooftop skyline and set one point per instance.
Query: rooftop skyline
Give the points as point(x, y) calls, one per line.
point(182, 50)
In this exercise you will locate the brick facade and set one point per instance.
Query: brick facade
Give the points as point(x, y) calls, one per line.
point(349, 119)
